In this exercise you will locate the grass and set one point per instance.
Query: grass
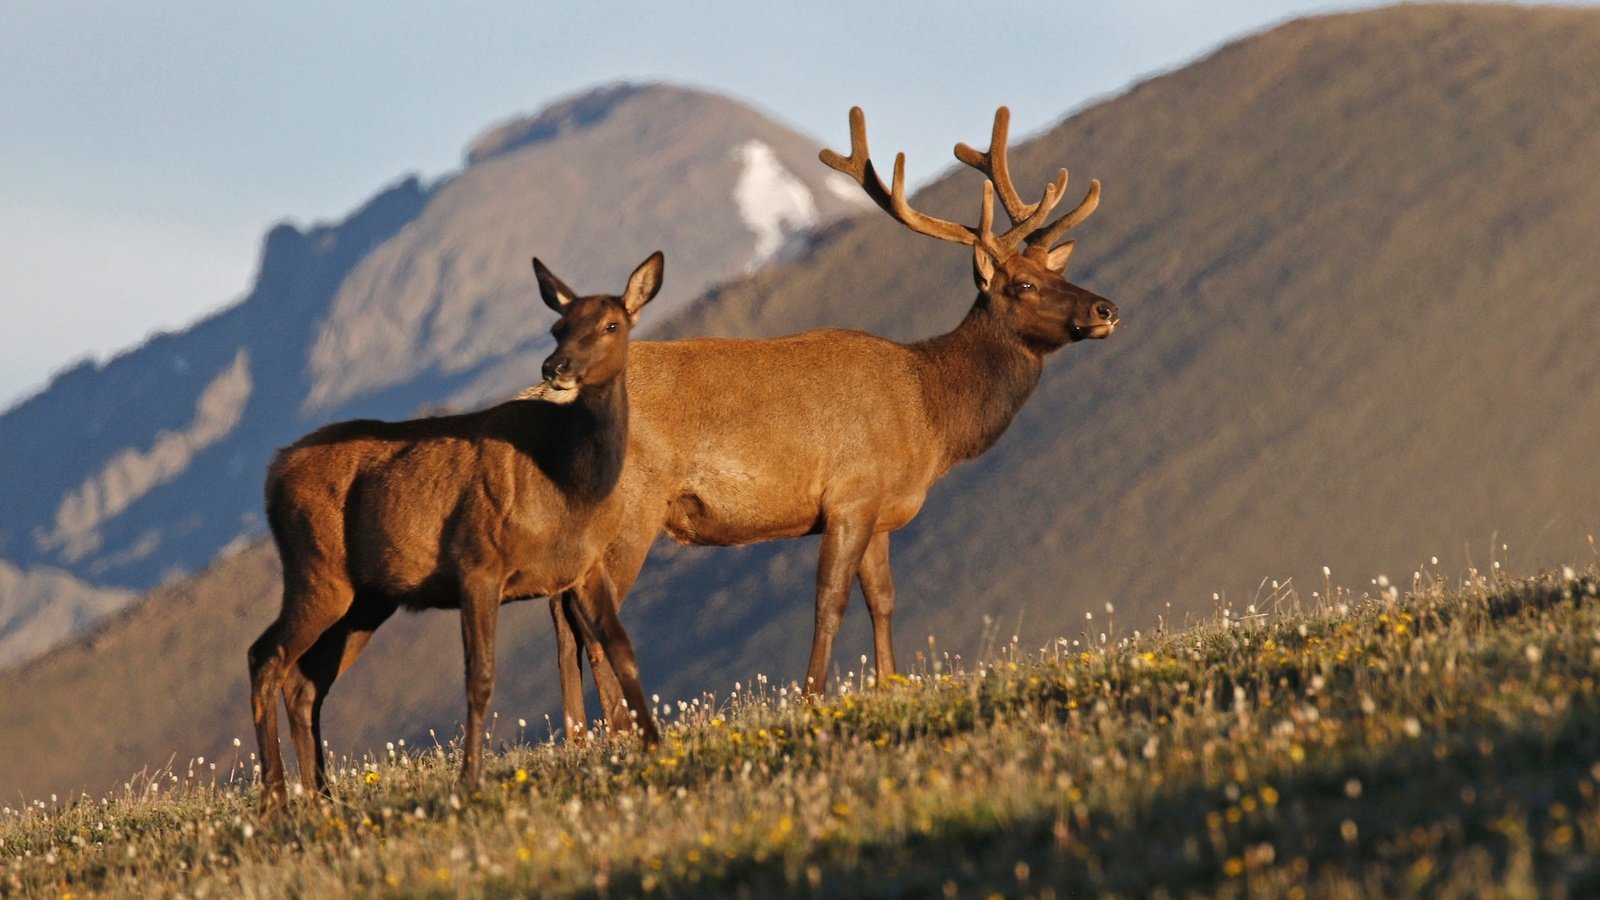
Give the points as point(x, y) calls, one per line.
point(1445, 741)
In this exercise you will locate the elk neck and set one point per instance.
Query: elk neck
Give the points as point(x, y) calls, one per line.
point(580, 445)
point(975, 379)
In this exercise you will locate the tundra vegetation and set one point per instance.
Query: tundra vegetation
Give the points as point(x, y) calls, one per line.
point(1441, 740)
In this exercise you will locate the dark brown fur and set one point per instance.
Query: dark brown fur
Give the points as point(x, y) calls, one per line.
point(458, 512)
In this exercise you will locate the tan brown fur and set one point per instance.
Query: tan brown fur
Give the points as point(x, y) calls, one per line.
point(839, 432)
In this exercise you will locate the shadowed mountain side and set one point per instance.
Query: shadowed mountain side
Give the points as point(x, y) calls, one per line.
point(1354, 258)
point(144, 467)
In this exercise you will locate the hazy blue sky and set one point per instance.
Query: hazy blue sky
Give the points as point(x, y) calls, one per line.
point(145, 147)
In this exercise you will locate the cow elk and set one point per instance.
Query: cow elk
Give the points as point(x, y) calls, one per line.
point(842, 432)
point(456, 512)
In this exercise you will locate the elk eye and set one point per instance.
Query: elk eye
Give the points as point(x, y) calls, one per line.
point(1023, 287)
point(610, 327)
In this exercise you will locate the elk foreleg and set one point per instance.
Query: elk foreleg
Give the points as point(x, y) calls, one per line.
point(480, 612)
point(877, 585)
point(843, 544)
point(564, 612)
point(570, 664)
point(624, 558)
point(598, 622)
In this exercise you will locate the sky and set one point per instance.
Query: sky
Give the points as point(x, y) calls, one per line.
point(146, 147)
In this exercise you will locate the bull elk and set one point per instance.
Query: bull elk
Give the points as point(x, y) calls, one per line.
point(456, 512)
point(842, 432)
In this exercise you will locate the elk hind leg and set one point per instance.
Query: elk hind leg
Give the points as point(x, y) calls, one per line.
point(308, 682)
point(299, 626)
point(877, 586)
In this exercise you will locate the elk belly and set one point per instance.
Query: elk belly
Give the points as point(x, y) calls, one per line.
point(695, 518)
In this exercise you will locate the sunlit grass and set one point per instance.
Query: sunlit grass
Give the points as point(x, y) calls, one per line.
point(1444, 740)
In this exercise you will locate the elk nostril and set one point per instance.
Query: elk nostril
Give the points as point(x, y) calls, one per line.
point(554, 368)
point(1107, 312)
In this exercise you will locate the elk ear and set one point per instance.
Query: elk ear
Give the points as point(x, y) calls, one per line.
point(982, 267)
point(1057, 260)
point(556, 295)
point(644, 283)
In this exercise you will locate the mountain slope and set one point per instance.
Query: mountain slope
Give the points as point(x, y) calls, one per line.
point(591, 186)
point(1360, 313)
point(41, 605)
point(142, 468)
point(1350, 255)
point(127, 473)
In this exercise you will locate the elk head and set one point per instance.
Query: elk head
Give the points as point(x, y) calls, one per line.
point(1019, 272)
point(592, 333)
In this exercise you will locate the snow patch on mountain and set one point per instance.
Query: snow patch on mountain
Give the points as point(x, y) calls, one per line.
point(845, 189)
point(772, 201)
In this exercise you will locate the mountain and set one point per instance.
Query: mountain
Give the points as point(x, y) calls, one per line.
point(42, 604)
point(1360, 309)
point(129, 473)
point(1352, 257)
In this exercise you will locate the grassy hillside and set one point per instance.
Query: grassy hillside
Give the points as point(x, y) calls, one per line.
point(1442, 742)
point(1353, 257)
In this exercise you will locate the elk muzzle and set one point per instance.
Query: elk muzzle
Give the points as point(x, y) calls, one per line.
point(1102, 319)
point(558, 372)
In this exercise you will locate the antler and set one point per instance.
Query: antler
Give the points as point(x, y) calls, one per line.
point(1045, 238)
point(1026, 218)
point(993, 164)
point(858, 165)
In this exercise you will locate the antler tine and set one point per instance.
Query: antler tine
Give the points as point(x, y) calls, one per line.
point(993, 163)
point(1041, 210)
point(858, 165)
point(1045, 237)
point(925, 224)
point(986, 237)
point(1025, 217)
